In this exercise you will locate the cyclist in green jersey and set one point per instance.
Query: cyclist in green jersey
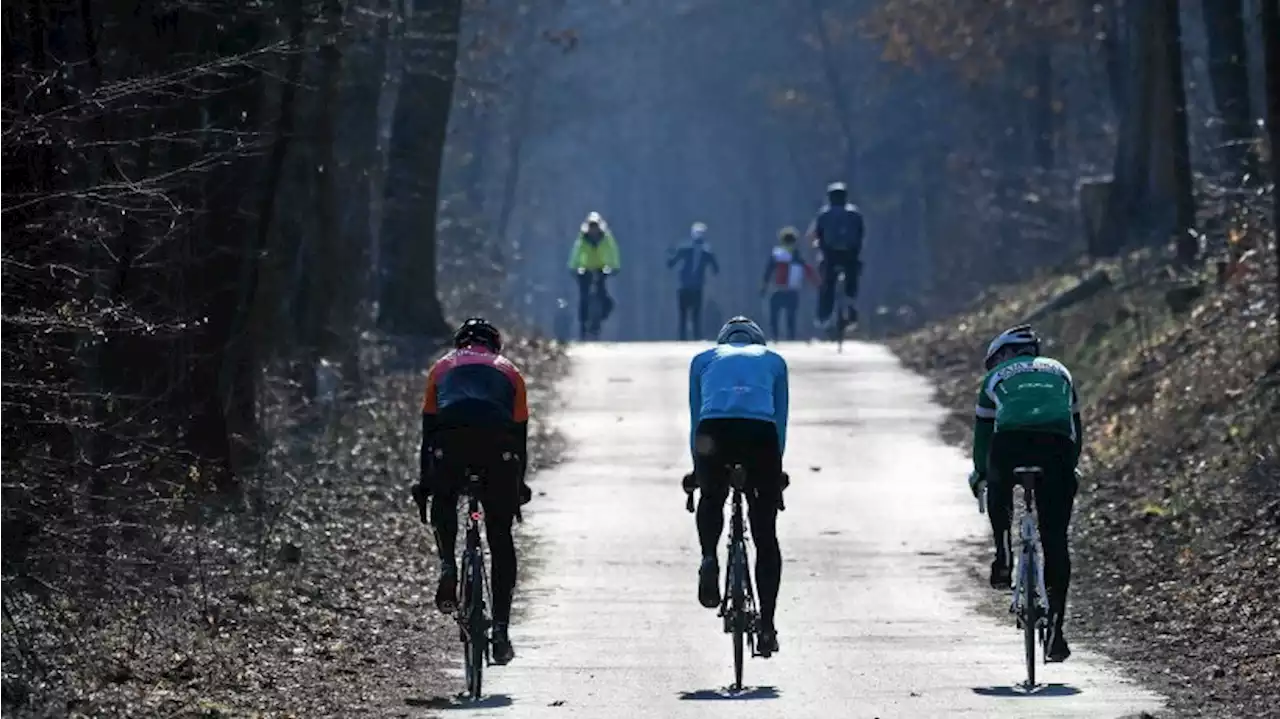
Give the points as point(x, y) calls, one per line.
point(1028, 414)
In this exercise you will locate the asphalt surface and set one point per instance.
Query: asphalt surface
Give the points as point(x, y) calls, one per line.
point(877, 616)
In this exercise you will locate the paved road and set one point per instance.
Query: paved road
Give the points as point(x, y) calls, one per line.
point(874, 618)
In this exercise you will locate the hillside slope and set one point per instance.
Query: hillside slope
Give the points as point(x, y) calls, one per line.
point(1176, 535)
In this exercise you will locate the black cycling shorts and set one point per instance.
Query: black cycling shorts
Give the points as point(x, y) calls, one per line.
point(753, 443)
point(487, 452)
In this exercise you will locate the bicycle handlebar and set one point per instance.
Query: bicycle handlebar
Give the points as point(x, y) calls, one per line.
point(690, 488)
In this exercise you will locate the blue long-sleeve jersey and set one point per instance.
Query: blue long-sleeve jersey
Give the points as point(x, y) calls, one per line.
point(738, 381)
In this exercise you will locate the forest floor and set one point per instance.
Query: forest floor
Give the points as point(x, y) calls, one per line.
point(320, 608)
point(1176, 532)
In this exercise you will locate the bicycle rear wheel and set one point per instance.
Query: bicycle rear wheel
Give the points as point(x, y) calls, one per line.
point(477, 636)
point(1029, 616)
point(479, 632)
point(738, 612)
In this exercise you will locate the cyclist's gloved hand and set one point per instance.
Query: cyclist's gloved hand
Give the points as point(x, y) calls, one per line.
point(975, 482)
point(420, 494)
point(689, 483)
point(526, 494)
point(785, 481)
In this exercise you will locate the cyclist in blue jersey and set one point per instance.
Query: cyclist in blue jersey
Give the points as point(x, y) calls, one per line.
point(738, 414)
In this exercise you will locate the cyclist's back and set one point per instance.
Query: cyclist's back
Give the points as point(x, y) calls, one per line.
point(741, 382)
point(839, 229)
point(1029, 393)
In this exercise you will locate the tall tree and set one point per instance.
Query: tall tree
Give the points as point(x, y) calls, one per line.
point(410, 302)
point(1269, 17)
point(1229, 76)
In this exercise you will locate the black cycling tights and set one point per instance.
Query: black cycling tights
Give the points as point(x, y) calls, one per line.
point(753, 443)
point(502, 548)
point(1054, 499)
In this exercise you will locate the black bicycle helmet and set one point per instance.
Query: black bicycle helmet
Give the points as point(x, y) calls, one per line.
point(477, 330)
point(741, 329)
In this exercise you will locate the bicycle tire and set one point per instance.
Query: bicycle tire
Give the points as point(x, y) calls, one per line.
point(464, 609)
point(1029, 616)
point(739, 612)
point(479, 644)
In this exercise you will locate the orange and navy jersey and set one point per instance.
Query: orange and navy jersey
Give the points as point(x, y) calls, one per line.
point(474, 386)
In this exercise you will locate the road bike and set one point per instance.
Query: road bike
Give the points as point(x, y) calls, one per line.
point(738, 609)
point(840, 308)
point(1030, 603)
point(595, 301)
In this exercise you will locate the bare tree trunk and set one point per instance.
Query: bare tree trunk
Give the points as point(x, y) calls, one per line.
point(1132, 168)
point(839, 97)
point(1269, 16)
point(1043, 114)
point(1229, 75)
point(1187, 241)
point(411, 302)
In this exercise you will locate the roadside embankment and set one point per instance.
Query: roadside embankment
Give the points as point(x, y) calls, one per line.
point(1176, 533)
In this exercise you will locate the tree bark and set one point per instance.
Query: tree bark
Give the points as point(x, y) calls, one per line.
point(1131, 170)
point(1043, 115)
point(1187, 241)
point(410, 298)
point(1269, 19)
point(839, 97)
point(1229, 79)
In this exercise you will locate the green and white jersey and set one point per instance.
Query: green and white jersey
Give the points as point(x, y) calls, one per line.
point(1029, 393)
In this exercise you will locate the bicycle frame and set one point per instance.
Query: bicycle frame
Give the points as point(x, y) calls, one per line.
point(1029, 587)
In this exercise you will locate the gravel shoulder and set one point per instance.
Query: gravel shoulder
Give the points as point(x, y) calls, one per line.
point(1176, 534)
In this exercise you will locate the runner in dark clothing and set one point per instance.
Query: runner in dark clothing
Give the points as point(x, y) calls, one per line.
point(694, 258)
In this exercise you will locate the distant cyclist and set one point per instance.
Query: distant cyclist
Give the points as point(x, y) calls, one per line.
point(475, 415)
point(785, 275)
point(838, 231)
point(695, 259)
point(593, 258)
point(738, 414)
point(1028, 414)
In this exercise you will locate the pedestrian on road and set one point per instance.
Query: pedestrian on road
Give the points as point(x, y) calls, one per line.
point(695, 258)
point(738, 398)
point(785, 274)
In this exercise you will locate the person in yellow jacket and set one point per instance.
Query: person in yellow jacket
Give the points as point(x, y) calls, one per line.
point(593, 258)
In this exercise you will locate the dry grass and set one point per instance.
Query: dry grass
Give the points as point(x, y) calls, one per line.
point(1177, 526)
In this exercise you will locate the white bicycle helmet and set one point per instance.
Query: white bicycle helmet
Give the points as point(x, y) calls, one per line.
point(697, 230)
point(740, 330)
point(1021, 337)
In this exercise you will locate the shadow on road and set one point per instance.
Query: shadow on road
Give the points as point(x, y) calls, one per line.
point(460, 701)
point(1021, 692)
point(727, 694)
